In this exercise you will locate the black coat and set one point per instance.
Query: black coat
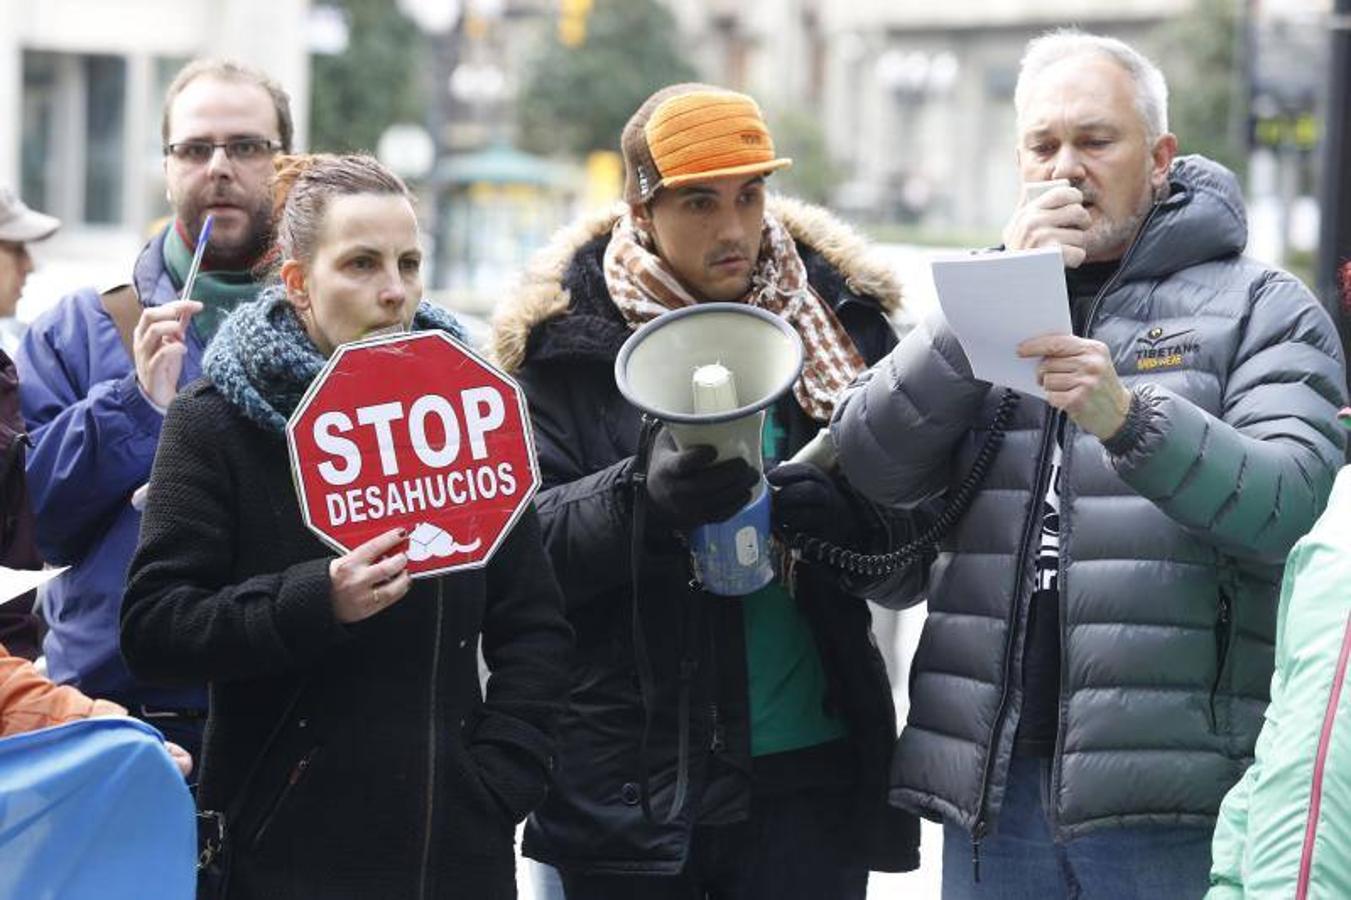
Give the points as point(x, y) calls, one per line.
point(586, 435)
point(360, 761)
point(20, 631)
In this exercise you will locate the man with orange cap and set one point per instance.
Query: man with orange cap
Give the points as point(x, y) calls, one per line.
point(756, 765)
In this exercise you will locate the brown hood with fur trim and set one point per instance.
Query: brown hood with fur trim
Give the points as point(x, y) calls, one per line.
point(542, 296)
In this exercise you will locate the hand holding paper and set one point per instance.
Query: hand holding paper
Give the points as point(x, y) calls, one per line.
point(1078, 377)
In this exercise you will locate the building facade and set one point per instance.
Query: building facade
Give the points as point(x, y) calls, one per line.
point(915, 100)
point(81, 91)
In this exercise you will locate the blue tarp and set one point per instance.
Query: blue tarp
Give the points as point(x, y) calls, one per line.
point(94, 809)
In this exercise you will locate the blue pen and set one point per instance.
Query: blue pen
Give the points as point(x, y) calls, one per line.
point(197, 257)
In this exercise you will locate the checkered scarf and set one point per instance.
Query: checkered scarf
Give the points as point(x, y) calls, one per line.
point(643, 286)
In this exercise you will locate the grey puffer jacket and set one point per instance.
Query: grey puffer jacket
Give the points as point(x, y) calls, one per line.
point(1171, 547)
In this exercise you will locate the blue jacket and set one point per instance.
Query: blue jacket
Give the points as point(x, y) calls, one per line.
point(94, 437)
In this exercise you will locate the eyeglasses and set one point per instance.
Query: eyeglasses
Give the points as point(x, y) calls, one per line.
point(242, 150)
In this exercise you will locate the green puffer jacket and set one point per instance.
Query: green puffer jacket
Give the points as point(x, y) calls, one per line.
point(1285, 829)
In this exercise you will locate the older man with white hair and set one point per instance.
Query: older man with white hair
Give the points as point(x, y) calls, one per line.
point(1095, 665)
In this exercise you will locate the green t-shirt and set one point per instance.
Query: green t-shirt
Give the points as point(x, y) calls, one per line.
point(786, 679)
point(784, 672)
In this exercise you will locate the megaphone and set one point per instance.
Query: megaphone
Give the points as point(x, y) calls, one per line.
point(709, 372)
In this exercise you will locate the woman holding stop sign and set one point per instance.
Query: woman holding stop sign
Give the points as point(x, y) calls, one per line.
point(349, 751)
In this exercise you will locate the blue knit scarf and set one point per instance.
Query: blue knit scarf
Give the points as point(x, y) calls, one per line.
point(262, 361)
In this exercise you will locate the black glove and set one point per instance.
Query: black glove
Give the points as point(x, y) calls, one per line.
point(805, 500)
point(688, 489)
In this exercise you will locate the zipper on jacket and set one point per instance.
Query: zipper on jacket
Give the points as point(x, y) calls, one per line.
point(1319, 763)
point(1052, 810)
point(1223, 615)
point(717, 743)
point(432, 718)
point(297, 773)
point(1030, 530)
point(1116, 276)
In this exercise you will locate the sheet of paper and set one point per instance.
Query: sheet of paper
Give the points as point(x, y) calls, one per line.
point(995, 301)
point(17, 582)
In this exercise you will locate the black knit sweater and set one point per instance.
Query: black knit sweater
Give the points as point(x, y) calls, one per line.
point(356, 761)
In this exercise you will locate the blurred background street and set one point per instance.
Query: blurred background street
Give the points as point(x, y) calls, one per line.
point(505, 113)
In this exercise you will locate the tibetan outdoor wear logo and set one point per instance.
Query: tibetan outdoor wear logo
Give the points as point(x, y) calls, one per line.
point(1157, 350)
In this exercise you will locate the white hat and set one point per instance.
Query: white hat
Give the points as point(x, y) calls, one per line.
point(19, 223)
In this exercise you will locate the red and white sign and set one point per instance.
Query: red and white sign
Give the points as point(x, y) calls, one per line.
point(414, 431)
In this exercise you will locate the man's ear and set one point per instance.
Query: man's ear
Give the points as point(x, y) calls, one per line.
point(1163, 154)
point(293, 279)
point(641, 213)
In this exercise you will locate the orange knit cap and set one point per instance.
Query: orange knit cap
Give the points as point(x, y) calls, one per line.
point(694, 132)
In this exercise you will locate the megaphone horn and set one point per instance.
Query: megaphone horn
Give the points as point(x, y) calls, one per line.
point(656, 365)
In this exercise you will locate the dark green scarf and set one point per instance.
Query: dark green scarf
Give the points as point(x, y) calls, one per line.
point(218, 290)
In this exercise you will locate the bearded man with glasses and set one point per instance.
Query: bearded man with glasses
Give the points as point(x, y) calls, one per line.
point(99, 369)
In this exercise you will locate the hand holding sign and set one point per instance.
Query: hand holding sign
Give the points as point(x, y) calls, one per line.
point(363, 583)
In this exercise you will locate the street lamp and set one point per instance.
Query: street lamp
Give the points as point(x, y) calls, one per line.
point(432, 16)
point(439, 21)
point(408, 150)
point(1335, 241)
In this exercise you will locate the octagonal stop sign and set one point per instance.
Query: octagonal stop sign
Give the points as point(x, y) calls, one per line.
point(413, 431)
